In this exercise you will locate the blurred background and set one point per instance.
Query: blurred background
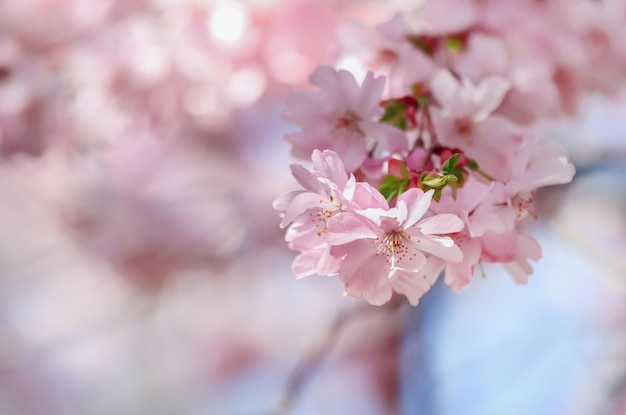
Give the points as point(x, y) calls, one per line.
point(142, 269)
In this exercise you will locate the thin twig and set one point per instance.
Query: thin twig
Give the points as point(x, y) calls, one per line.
point(311, 363)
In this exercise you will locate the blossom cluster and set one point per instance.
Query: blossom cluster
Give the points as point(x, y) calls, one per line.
point(429, 165)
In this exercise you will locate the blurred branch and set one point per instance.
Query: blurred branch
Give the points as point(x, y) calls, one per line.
point(312, 362)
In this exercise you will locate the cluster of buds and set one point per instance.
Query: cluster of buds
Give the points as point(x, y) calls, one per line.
point(416, 173)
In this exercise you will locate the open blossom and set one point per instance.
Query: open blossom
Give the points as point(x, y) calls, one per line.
point(465, 101)
point(342, 116)
point(327, 190)
point(382, 247)
point(534, 166)
point(466, 120)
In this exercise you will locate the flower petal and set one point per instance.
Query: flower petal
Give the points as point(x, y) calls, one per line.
point(443, 247)
point(347, 227)
point(441, 224)
point(306, 179)
point(330, 166)
point(417, 203)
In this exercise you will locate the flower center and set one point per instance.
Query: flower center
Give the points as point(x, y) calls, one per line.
point(321, 217)
point(349, 121)
point(522, 203)
point(393, 246)
point(463, 125)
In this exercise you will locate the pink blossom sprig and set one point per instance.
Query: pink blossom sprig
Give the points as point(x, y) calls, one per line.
point(423, 176)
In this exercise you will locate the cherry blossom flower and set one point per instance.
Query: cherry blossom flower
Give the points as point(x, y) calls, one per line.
point(536, 165)
point(466, 102)
point(326, 189)
point(466, 120)
point(342, 116)
point(381, 246)
point(327, 192)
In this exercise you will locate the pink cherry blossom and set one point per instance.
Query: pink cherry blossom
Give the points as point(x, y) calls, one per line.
point(462, 100)
point(536, 165)
point(327, 190)
point(466, 120)
point(342, 116)
point(380, 246)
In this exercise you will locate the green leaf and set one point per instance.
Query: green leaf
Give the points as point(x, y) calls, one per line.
point(392, 186)
point(395, 114)
point(450, 165)
point(404, 171)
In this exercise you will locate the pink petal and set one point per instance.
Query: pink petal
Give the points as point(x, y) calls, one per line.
point(347, 227)
point(328, 264)
point(441, 224)
point(325, 78)
point(413, 287)
point(461, 274)
point(496, 141)
point(281, 203)
point(390, 139)
point(366, 196)
point(364, 273)
point(306, 179)
point(349, 90)
point(490, 93)
point(498, 247)
point(549, 165)
point(386, 219)
point(305, 235)
point(417, 203)
point(528, 247)
point(444, 87)
point(300, 204)
point(371, 93)
point(302, 104)
point(330, 166)
point(351, 147)
point(443, 247)
point(305, 264)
